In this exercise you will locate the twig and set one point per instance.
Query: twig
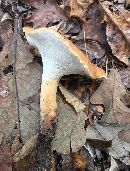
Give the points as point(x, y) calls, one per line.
point(27, 104)
point(14, 55)
point(85, 45)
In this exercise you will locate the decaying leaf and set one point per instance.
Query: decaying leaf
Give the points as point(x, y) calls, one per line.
point(92, 39)
point(28, 75)
point(70, 133)
point(125, 135)
point(6, 35)
point(79, 161)
point(23, 56)
point(70, 98)
point(5, 158)
point(16, 145)
point(111, 93)
point(118, 35)
point(119, 149)
point(47, 13)
point(125, 77)
point(6, 16)
point(77, 8)
point(114, 165)
point(26, 149)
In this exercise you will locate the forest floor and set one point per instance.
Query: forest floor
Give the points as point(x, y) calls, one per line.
point(92, 131)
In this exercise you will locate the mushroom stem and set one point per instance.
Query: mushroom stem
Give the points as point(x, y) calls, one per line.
point(48, 103)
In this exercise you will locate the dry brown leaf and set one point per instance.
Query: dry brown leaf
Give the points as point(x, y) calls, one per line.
point(125, 77)
point(47, 13)
point(77, 8)
point(92, 40)
point(29, 75)
point(124, 135)
point(111, 93)
point(5, 158)
point(26, 149)
point(23, 56)
point(70, 128)
point(6, 35)
point(16, 145)
point(70, 98)
point(118, 35)
point(119, 149)
point(79, 161)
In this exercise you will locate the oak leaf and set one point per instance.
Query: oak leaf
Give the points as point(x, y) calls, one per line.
point(111, 94)
point(70, 133)
point(47, 13)
point(119, 149)
point(71, 99)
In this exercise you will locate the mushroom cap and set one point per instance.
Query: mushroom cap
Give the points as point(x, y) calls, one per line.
point(60, 56)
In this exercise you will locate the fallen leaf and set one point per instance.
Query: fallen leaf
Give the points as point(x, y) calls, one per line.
point(111, 93)
point(118, 35)
point(77, 8)
point(47, 13)
point(124, 135)
point(70, 132)
point(94, 26)
point(5, 158)
point(6, 34)
point(23, 56)
point(16, 145)
point(79, 161)
point(6, 16)
point(125, 77)
point(29, 74)
point(92, 40)
point(119, 149)
point(26, 149)
point(114, 164)
point(70, 98)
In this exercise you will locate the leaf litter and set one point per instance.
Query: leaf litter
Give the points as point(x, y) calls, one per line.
point(100, 33)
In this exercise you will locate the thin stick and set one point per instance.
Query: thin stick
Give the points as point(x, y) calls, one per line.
point(85, 45)
point(14, 55)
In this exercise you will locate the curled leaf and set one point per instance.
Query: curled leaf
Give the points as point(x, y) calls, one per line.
point(118, 35)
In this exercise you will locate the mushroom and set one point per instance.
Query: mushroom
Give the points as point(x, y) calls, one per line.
point(60, 57)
